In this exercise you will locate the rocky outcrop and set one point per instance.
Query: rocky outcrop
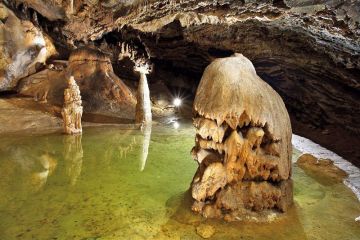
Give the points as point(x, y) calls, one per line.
point(102, 91)
point(52, 10)
point(243, 143)
point(23, 47)
point(101, 88)
point(29, 117)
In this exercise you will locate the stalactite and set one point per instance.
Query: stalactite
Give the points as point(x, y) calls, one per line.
point(71, 6)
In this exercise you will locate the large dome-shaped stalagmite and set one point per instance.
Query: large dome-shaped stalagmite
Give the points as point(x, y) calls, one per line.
point(243, 143)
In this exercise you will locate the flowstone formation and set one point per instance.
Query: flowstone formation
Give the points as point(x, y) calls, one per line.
point(72, 110)
point(242, 145)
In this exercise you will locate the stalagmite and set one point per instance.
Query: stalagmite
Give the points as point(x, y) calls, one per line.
point(143, 105)
point(242, 144)
point(72, 110)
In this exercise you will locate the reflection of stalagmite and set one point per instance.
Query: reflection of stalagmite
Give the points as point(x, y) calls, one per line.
point(125, 150)
point(72, 110)
point(145, 145)
point(39, 179)
point(73, 156)
point(143, 105)
point(243, 143)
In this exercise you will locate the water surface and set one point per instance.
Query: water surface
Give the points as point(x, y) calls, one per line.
point(127, 184)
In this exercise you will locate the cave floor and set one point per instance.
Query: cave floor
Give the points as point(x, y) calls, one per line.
point(102, 185)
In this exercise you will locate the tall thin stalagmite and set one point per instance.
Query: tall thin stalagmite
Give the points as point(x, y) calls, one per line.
point(143, 106)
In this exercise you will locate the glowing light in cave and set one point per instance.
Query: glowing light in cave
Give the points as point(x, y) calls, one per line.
point(177, 102)
point(176, 125)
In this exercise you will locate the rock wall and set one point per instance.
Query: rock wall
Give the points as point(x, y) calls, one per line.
point(22, 47)
point(101, 90)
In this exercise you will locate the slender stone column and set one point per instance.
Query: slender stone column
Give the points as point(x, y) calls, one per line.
point(143, 106)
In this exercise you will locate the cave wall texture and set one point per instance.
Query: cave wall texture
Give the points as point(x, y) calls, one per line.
point(307, 50)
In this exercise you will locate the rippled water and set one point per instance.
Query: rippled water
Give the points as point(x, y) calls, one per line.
point(125, 184)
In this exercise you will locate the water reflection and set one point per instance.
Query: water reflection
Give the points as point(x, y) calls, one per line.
point(32, 164)
point(145, 143)
point(90, 187)
point(48, 164)
point(125, 150)
point(73, 156)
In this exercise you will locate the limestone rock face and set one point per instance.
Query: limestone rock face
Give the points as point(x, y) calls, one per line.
point(93, 71)
point(243, 143)
point(52, 10)
point(102, 91)
point(22, 46)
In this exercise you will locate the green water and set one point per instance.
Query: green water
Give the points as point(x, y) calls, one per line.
point(99, 186)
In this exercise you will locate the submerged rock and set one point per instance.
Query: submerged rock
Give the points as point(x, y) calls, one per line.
point(323, 170)
point(205, 231)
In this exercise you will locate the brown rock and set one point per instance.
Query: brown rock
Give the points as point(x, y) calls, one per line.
point(102, 91)
point(205, 231)
point(323, 170)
